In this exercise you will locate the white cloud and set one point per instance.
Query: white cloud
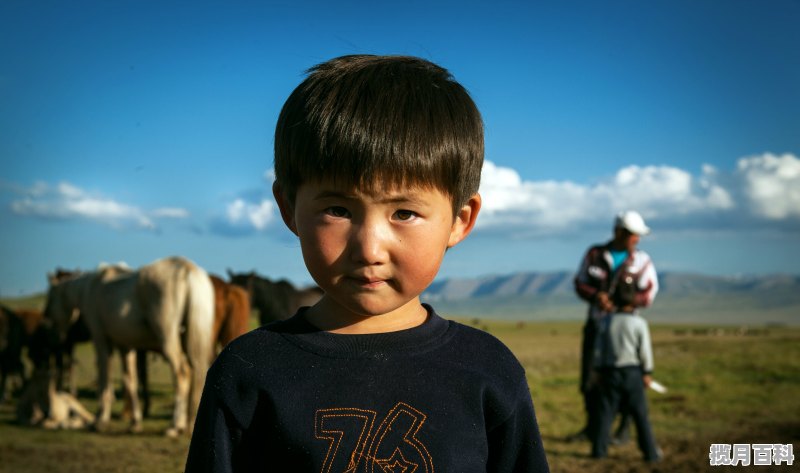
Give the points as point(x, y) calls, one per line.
point(65, 201)
point(245, 214)
point(772, 185)
point(762, 187)
point(170, 212)
point(543, 206)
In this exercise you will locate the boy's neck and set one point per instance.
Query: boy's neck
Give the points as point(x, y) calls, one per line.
point(327, 315)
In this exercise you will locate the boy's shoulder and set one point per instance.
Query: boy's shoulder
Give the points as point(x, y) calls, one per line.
point(478, 338)
point(257, 343)
point(630, 321)
point(481, 348)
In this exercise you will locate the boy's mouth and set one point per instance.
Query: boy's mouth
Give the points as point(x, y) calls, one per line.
point(368, 282)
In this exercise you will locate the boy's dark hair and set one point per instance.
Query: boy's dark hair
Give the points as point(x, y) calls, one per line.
point(380, 121)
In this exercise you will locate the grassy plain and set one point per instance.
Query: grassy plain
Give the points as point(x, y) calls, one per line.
point(726, 385)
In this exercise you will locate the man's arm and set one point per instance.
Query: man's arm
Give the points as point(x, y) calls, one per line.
point(583, 285)
point(647, 285)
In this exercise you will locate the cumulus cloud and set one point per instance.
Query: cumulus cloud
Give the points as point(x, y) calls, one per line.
point(252, 211)
point(764, 188)
point(256, 215)
point(771, 185)
point(66, 201)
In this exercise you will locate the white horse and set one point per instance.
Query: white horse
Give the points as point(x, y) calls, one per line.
point(166, 306)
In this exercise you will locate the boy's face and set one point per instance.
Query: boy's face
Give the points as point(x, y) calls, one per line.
point(374, 253)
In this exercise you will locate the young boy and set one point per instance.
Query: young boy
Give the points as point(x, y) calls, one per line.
point(624, 366)
point(377, 163)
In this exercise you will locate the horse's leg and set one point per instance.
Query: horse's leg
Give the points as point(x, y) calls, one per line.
point(141, 370)
point(129, 380)
point(69, 369)
point(2, 380)
point(104, 389)
point(181, 373)
point(83, 416)
point(59, 360)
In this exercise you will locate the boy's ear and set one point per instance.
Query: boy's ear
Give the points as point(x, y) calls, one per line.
point(287, 210)
point(465, 220)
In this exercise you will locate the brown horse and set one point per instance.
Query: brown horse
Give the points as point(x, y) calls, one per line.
point(231, 311)
point(18, 329)
point(166, 306)
point(274, 300)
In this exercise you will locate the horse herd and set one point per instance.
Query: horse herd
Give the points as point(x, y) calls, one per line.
point(171, 306)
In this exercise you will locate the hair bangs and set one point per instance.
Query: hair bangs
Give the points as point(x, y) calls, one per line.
point(376, 122)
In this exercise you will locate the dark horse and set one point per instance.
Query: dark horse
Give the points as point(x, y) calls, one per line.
point(274, 300)
point(24, 331)
point(17, 329)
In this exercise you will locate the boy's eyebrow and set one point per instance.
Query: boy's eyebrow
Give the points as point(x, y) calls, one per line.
point(385, 199)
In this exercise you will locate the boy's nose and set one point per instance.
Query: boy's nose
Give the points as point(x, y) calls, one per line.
point(369, 243)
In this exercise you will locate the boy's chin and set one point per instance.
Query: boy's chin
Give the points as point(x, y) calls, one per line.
point(357, 309)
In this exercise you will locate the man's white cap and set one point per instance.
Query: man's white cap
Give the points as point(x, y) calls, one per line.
point(631, 221)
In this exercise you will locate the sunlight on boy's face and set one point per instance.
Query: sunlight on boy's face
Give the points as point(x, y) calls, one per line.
point(373, 253)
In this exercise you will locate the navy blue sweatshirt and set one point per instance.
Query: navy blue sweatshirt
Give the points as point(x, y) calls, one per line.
point(438, 397)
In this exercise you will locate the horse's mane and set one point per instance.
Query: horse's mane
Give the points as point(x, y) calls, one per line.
point(108, 271)
point(121, 265)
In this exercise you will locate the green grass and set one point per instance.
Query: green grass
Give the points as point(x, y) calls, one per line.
point(725, 386)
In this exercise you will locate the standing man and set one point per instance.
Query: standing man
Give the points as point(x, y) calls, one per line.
point(613, 277)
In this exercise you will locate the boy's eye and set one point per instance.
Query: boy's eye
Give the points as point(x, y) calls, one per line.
point(338, 212)
point(405, 214)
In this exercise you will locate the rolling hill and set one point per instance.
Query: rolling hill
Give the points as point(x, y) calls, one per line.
point(683, 298)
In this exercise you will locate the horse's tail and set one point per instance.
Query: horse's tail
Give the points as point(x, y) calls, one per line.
point(198, 320)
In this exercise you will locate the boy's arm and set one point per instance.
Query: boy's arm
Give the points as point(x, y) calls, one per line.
point(645, 349)
point(516, 444)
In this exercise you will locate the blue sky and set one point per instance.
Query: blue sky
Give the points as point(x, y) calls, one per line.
point(130, 131)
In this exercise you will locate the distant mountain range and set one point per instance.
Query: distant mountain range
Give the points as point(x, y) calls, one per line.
point(683, 297)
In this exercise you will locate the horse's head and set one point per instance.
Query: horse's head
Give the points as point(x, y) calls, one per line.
point(61, 308)
point(243, 280)
point(62, 274)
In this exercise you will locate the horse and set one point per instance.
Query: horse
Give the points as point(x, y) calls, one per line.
point(165, 306)
point(274, 300)
point(231, 311)
point(42, 404)
point(17, 329)
point(78, 333)
point(231, 319)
